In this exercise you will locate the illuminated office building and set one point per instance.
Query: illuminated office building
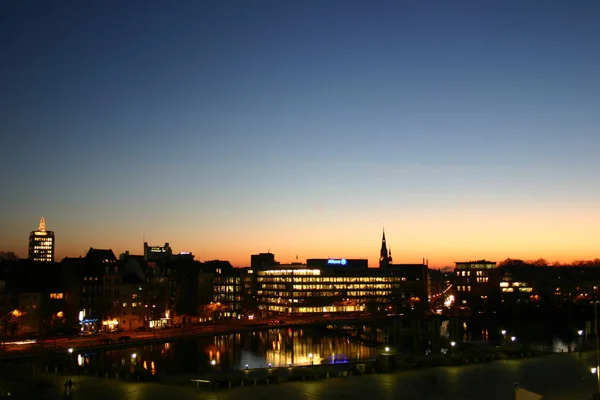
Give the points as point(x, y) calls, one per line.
point(325, 286)
point(41, 244)
point(475, 282)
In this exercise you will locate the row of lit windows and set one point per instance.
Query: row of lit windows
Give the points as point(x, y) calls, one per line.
point(475, 266)
point(326, 309)
point(482, 280)
point(332, 279)
point(515, 284)
point(225, 298)
point(521, 289)
point(463, 288)
point(56, 295)
point(290, 272)
point(342, 286)
point(463, 273)
point(350, 293)
point(224, 289)
point(42, 247)
point(134, 304)
point(42, 238)
point(221, 280)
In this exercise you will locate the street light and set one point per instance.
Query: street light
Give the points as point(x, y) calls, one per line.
point(503, 332)
point(213, 362)
point(133, 355)
point(310, 357)
point(452, 344)
point(387, 349)
point(580, 332)
point(513, 338)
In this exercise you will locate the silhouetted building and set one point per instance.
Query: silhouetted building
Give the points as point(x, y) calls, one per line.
point(157, 253)
point(262, 260)
point(337, 262)
point(90, 271)
point(41, 244)
point(385, 257)
point(40, 297)
point(475, 283)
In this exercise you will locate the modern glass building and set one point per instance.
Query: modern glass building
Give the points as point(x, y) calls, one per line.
point(333, 286)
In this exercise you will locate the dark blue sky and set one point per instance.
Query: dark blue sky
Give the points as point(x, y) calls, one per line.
point(224, 126)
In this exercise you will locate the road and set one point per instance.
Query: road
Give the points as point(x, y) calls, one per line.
point(556, 377)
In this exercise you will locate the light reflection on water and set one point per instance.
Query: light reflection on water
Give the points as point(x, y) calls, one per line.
point(278, 347)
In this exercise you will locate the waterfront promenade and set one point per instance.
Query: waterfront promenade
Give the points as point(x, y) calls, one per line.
point(556, 377)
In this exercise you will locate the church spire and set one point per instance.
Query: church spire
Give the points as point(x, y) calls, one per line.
point(42, 226)
point(384, 259)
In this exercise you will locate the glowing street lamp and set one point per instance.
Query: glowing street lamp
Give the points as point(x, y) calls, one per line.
point(387, 349)
point(503, 332)
point(513, 338)
point(70, 351)
point(310, 357)
point(580, 332)
point(213, 362)
point(593, 370)
point(134, 356)
point(452, 344)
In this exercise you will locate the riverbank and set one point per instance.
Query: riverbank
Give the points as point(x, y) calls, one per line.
point(49, 348)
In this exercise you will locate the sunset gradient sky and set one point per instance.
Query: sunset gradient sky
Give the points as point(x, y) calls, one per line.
point(233, 127)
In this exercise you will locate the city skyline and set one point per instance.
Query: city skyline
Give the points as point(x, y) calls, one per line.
point(228, 129)
point(373, 263)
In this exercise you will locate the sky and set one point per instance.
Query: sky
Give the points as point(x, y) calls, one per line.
point(469, 129)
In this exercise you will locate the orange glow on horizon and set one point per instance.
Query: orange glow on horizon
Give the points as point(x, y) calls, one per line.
point(554, 232)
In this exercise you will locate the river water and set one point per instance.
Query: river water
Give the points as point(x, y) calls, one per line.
point(277, 347)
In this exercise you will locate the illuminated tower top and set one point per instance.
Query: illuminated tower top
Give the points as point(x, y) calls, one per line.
point(41, 244)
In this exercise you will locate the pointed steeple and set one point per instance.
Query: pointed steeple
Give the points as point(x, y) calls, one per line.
point(383, 254)
point(42, 226)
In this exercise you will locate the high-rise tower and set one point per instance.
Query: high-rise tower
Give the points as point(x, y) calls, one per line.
point(385, 258)
point(41, 244)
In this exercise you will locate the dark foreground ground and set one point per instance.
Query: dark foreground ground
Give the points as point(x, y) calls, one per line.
point(564, 376)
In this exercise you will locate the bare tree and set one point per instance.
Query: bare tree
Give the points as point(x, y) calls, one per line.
point(8, 256)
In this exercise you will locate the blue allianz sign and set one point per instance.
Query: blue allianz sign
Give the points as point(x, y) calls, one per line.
point(333, 261)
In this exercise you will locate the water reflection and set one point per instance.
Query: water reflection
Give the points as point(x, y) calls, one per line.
point(276, 347)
